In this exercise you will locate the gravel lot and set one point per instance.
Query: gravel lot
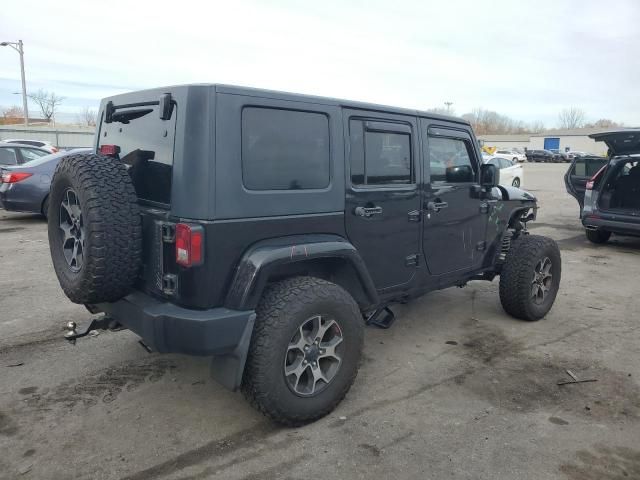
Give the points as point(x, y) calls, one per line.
point(455, 389)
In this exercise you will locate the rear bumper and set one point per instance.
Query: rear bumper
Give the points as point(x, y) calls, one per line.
point(168, 328)
point(623, 228)
point(13, 203)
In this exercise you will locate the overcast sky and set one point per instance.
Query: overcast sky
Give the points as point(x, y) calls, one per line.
point(525, 59)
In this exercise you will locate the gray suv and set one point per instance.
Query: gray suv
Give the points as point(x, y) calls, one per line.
point(608, 189)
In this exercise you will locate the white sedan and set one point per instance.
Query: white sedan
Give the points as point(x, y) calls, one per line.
point(511, 174)
point(510, 155)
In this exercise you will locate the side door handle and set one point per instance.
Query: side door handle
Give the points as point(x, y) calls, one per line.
point(436, 206)
point(367, 211)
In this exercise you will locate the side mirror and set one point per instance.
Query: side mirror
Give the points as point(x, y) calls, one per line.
point(489, 176)
point(459, 174)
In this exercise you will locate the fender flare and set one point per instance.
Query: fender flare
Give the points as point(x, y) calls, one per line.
point(263, 260)
point(267, 258)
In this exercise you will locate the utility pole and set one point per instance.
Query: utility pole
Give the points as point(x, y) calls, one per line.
point(448, 104)
point(19, 47)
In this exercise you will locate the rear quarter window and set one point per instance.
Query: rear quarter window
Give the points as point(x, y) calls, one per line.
point(284, 149)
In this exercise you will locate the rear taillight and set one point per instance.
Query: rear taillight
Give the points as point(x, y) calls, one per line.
point(54, 150)
point(189, 244)
point(109, 150)
point(14, 177)
point(592, 181)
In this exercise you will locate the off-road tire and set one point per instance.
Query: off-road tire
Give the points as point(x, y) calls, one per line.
point(598, 236)
point(518, 272)
point(112, 226)
point(283, 308)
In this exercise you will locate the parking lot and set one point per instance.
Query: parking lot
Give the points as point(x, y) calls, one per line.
point(455, 389)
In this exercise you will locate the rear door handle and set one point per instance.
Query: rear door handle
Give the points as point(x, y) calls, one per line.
point(367, 211)
point(436, 206)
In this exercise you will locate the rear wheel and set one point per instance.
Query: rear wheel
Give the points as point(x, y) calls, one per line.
point(598, 236)
point(516, 182)
point(304, 351)
point(530, 277)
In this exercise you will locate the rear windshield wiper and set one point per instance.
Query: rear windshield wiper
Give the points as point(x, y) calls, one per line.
point(125, 117)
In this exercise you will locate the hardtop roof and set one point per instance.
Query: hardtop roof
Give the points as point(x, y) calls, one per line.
point(258, 92)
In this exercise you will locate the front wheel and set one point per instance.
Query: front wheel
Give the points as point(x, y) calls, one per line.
point(598, 236)
point(304, 351)
point(530, 277)
point(516, 182)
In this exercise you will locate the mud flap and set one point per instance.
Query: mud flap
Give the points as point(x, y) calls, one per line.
point(227, 369)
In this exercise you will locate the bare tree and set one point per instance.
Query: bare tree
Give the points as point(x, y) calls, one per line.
point(572, 118)
point(48, 103)
point(441, 111)
point(604, 123)
point(88, 117)
point(13, 112)
point(536, 127)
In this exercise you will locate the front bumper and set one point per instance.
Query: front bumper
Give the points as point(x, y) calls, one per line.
point(168, 328)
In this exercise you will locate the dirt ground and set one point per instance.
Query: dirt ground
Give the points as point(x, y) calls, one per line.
point(455, 389)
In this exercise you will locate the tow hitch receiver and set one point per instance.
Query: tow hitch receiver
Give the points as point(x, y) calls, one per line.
point(103, 323)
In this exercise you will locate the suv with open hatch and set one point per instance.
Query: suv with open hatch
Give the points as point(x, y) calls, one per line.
point(265, 229)
point(608, 189)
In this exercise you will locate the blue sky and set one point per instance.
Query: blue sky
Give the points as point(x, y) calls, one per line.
point(525, 59)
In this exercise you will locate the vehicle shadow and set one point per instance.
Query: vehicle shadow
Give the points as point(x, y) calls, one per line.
point(22, 217)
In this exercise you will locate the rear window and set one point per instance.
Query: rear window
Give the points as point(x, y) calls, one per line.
point(284, 149)
point(146, 145)
point(8, 156)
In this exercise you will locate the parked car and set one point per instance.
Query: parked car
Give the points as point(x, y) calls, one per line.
point(25, 188)
point(540, 156)
point(557, 155)
point(17, 154)
point(255, 238)
point(34, 143)
point(511, 173)
point(577, 154)
point(510, 155)
point(608, 189)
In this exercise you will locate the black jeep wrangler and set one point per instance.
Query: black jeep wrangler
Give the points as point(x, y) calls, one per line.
point(265, 230)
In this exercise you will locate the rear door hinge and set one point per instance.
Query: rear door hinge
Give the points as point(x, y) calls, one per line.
point(169, 284)
point(168, 232)
point(412, 260)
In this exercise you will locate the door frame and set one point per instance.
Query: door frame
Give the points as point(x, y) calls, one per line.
point(373, 116)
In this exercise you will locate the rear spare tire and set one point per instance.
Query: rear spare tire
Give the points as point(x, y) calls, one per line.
point(94, 225)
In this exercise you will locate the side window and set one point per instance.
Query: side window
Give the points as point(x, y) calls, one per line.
point(29, 154)
point(579, 168)
point(450, 160)
point(505, 163)
point(284, 149)
point(378, 157)
point(593, 165)
point(8, 156)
